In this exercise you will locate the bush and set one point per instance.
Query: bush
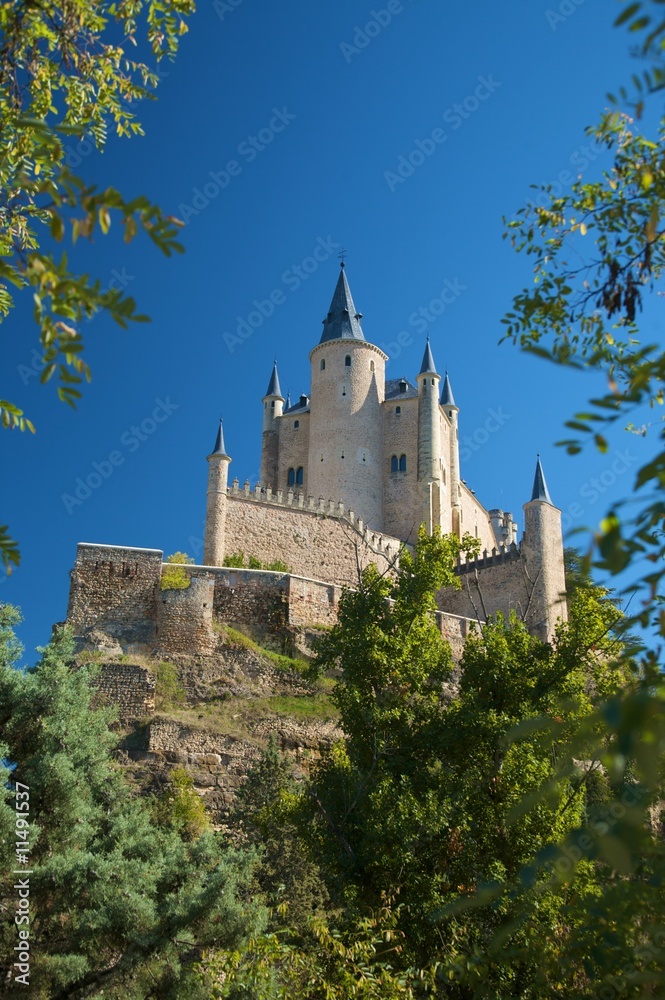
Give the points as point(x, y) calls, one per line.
point(235, 559)
point(278, 567)
point(254, 563)
point(175, 576)
point(169, 692)
point(180, 807)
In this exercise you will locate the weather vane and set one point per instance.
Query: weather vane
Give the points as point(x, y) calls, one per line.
point(342, 257)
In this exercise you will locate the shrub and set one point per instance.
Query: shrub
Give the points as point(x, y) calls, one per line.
point(169, 692)
point(235, 559)
point(254, 563)
point(175, 576)
point(279, 567)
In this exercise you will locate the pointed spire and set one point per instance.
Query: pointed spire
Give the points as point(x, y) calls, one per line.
point(447, 398)
point(273, 385)
point(342, 321)
point(219, 448)
point(428, 367)
point(540, 490)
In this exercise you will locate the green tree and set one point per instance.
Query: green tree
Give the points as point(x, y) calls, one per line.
point(120, 906)
point(69, 70)
point(175, 576)
point(417, 804)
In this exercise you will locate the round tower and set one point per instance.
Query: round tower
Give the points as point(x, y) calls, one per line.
point(346, 419)
point(215, 529)
point(429, 441)
point(452, 412)
point(542, 549)
point(273, 407)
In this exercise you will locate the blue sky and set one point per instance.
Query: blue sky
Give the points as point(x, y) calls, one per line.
point(280, 131)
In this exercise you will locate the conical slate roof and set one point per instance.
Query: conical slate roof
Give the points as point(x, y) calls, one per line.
point(219, 448)
point(540, 490)
point(342, 321)
point(428, 367)
point(447, 398)
point(273, 385)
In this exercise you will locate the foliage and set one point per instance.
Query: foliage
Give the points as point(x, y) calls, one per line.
point(180, 807)
point(169, 691)
point(237, 560)
point(68, 71)
point(120, 906)
point(174, 576)
point(419, 801)
point(266, 811)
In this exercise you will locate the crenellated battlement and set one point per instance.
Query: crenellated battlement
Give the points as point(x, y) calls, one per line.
point(498, 556)
point(376, 541)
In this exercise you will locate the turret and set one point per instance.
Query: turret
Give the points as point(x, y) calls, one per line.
point(543, 552)
point(273, 407)
point(345, 459)
point(452, 412)
point(218, 477)
point(429, 441)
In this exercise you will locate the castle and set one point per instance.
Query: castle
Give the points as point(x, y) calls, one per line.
point(348, 475)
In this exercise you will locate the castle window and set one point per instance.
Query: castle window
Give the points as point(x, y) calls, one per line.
point(398, 409)
point(394, 464)
point(323, 364)
point(291, 478)
point(444, 477)
point(433, 382)
point(371, 366)
point(403, 386)
point(402, 463)
point(300, 475)
point(272, 405)
point(296, 425)
point(347, 361)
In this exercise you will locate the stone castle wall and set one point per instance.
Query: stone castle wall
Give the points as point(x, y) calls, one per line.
point(316, 539)
point(115, 589)
point(128, 687)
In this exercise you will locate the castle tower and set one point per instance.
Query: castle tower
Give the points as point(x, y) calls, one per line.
point(215, 530)
point(452, 411)
point(346, 422)
point(429, 441)
point(543, 552)
point(273, 407)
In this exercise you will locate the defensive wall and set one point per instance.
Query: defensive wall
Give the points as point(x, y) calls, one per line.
point(116, 600)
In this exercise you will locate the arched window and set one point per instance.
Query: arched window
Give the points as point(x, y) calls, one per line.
point(347, 361)
point(300, 475)
point(402, 463)
point(394, 465)
point(272, 405)
point(371, 366)
point(296, 425)
point(398, 409)
point(291, 478)
point(323, 364)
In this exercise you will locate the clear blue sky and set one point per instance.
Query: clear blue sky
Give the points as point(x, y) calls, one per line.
point(332, 112)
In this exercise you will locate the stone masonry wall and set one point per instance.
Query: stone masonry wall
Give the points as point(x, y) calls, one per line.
point(311, 543)
point(114, 590)
point(184, 617)
point(494, 584)
point(128, 687)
